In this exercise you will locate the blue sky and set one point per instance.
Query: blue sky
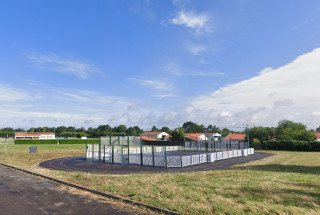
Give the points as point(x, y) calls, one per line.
point(138, 62)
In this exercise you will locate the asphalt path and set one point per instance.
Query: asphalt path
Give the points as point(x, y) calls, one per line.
point(84, 165)
point(24, 194)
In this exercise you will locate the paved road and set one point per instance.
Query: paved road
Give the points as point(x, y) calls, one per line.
point(25, 194)
point(81, 164)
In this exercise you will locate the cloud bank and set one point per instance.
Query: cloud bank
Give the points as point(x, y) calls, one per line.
point(289, 92)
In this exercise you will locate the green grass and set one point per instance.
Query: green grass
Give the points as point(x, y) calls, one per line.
point(286, 183)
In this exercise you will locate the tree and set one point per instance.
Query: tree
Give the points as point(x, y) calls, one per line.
point(166, 129)
point(289, 130)
point(177, 134)
point(60, 130)
point(154, 129)
point(134, 131)
point(191, 127)
point(318, 129)
point(121, 129)
point(261, 134)
point(103, 130)
point(213, 129)
point(225, 132)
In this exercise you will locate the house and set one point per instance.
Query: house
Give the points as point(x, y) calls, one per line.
point(235, 138)
point(213, 136)
point(195, 136)
point(34, 135)
point(318, 135)
point(156, 135)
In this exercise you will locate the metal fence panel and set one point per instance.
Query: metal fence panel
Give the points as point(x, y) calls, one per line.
point(186, 161)
point(134, 155)
point(230, 154)
point(244, 152)
point(174, 161)
point(203, 158)
point(211, 157)
point(117, 154)
point(219, 155)
point(225, 155)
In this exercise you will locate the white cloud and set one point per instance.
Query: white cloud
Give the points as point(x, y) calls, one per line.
point(289, 92)
point(197, 49)
point(204, 73)
point(158, 85)
point(9, 94)
point(198, 22)
point(56, 63)
point(74, 96)
point(162, 96)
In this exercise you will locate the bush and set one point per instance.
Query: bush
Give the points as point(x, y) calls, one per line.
point(4, 134)
point(292, 145)
point(79, 141)
point(30, 141)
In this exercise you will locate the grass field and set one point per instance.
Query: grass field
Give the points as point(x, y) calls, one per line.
point(286, 183)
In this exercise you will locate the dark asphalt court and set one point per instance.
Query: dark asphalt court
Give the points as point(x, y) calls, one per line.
point(81, 164)
point(24, 194)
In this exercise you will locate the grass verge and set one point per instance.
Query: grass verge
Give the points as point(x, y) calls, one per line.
point(287, 183)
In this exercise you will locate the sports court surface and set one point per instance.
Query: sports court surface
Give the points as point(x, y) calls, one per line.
point(84, 165)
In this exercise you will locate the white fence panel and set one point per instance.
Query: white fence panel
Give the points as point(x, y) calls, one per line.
point(174, 161)
point(211, 157)
point(225, 155)
point(186, 161)
point(219, 156)
point(203, 158)
point(244, 152)
point(195, 159)
point(230, 154)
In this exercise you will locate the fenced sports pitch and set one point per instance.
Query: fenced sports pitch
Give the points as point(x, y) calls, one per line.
point(192, 153)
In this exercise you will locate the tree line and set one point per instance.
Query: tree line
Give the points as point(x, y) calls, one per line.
point(286, 130)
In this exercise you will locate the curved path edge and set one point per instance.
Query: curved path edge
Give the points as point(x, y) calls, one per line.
point(110, 196)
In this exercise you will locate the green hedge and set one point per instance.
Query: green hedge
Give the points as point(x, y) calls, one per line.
point(79, 141)
point(28, 141)
point(291, 145)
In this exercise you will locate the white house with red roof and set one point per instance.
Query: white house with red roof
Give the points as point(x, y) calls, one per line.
point(236, 137)
point(318, 135)
point(156, 135)
point(195, 136)
point(34, 135)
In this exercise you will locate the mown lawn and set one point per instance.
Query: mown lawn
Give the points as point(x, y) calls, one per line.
point(286, 183)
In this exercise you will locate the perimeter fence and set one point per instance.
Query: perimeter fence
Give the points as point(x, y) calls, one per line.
point(161, 156)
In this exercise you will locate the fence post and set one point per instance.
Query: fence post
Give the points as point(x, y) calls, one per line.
point(181, 161)
point(121, 153)
point(153, 163)
point(128, 154)
point(99, 152)
point(112, 147)
point(141, 155)
point(165, 156)
point(104, 153)
point(92, 151)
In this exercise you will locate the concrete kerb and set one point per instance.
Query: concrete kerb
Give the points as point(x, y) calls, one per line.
point(128, 201)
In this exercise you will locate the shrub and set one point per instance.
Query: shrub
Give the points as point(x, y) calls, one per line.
point(32, 141)
point(292, 145)
point(79, 141)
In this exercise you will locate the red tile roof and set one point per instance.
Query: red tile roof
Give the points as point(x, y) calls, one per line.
point(152, 133)
point(193, 136)
point(32, 134)
point(317, 134)
point(236, 137)
point(148, 138)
